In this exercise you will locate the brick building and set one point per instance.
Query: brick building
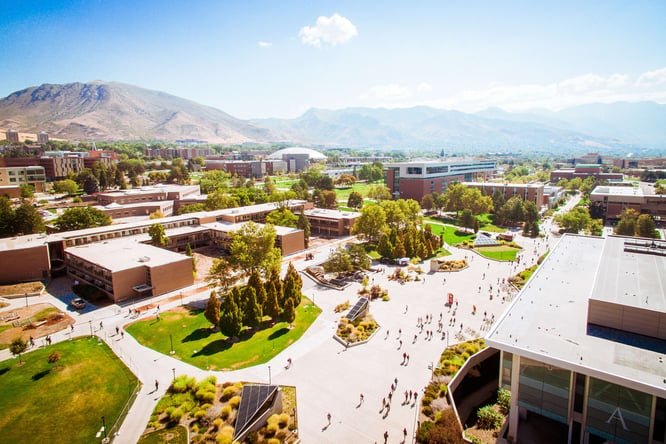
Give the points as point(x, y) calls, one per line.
point(413, 180)
point(527, 191)
point(583, 171)
point(614, 200)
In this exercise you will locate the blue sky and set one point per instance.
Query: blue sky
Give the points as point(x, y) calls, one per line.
point(279, 58)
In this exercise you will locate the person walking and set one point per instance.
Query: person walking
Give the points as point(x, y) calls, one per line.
point(328, 415)
point(157, 385)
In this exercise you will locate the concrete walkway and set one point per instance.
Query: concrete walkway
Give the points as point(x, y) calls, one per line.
point(328, 377)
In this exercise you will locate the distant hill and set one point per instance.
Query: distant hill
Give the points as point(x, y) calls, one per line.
point(117, 111)
point(614, 127)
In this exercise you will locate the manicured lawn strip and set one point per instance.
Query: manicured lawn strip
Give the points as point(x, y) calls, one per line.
point(501, 252)
point(492, 228)
point(172, 435)
point(343, 193)
point(40, 404)
point(451, 234)
point(196, 343)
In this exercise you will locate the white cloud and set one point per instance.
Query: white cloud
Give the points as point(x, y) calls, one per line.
point(586, 88)
point(265, 44)
point(652, 78)
point(390, 92)
point(332, 30)
point(424, 87)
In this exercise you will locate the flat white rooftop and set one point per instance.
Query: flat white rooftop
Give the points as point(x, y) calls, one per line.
point(124, 254)
point(331, 214)
point(547, 321)
point(618, 191)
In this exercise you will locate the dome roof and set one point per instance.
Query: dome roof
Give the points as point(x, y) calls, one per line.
point(312, 154)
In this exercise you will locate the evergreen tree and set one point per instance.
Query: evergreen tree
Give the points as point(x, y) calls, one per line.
point(271, 305)
point(188, 252)
point(292, 285)
point(385, 248)
point(274, 277)
point(255, 282)
point(289, 312)
point(231, 321)
point(212, 312)
point(304, 224)
point(252, 310)
point(399, 249)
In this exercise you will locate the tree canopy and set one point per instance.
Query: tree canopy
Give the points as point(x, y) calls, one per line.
point(79, 218)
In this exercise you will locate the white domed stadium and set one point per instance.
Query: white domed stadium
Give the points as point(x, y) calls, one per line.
point(297, 150)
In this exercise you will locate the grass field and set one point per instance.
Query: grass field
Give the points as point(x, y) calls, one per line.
point(499, 252)
point(451, 234)
point(62, 402)
point(196, 343)
point(343, 193)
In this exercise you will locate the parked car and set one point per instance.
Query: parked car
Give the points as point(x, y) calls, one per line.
point(78, 303)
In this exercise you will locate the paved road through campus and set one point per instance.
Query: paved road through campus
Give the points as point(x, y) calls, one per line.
point(328, 377)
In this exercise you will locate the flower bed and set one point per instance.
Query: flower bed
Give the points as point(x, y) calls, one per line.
point(358, 331)
point(209, 412)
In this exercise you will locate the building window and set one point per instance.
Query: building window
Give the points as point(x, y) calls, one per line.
point(414, 170)
point(544, 389)
point(617, 413)
point(507, 362)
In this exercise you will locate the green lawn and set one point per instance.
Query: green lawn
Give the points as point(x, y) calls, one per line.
point(500, 252)
point(196, 343)
point(451, 234)
point(171, 435)
point(43, 405)
point(343, 193)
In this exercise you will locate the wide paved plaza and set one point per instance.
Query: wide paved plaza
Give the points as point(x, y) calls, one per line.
point(330, 378)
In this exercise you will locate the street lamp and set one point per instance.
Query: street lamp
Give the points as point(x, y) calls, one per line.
point(26, 299)
point(103, 430)
point(171, 340)
point(90, 323)
point(174, 373)
point(269, 375)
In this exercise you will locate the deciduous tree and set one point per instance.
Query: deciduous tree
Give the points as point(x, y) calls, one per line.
point(212, 312)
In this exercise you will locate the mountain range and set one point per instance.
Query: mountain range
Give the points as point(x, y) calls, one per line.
point(116, 111)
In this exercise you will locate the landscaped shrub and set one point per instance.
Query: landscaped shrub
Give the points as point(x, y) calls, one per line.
point(182, 383)
point(427, 410)
point(284, 419)
point(199, 414)
point(273, 441)
point(206, 396)
point(423, 433)
point(341, 307)
point(217, 423)
point(489, 418)
point(271, 429)
point(54, 357)
point(225, 412)
point(504, 399)
point(228, 392)
point(233, 402)
point(176, 415)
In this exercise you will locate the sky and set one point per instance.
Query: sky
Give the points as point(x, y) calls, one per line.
point(258, 59)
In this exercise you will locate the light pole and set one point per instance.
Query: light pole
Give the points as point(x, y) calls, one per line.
point(174, 373)
point(269, 375)
point(106, 439)
point(181, 298)
point(90, 324)
point(171, 340)
point(26, 299)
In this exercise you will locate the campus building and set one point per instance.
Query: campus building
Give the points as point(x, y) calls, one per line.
point(583, 171)
point(614, 200)
point(331, 223)
point(47, 253)
point(526, 191)
point(413, 180)
point(17, 176)
point(55, 167)
point(248, 168)
point(125, 269)
point(582, 344)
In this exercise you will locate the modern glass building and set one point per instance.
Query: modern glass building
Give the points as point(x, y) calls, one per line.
point(583, 344)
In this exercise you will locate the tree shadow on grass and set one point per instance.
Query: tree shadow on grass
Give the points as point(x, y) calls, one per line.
point(4, 370)
point(277, 333)
point(40, 375)
point(199, 333)
point(211, 348)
